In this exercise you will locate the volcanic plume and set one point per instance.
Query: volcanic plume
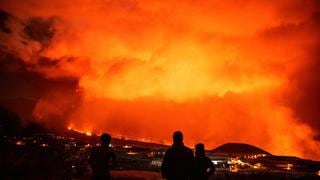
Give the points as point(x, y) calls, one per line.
point(220, 71)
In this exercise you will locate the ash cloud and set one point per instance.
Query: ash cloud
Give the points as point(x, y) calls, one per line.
point(26, 88)
point(40, 30)
point(130, 67)
point(303, 96)
point(3, 18)
point(308, 102)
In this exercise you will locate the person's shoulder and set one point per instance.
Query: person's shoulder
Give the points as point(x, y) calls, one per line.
point(187, 149)
point(111, 150)
point(94, 149)
point(94, 152)
point(170, 149)
point(208, 159)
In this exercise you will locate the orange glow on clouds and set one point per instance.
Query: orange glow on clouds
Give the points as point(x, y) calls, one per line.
point(220, 71)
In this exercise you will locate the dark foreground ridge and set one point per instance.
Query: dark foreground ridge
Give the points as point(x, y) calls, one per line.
point(34, 152)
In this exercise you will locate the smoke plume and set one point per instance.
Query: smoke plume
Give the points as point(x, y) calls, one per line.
point(220, 71)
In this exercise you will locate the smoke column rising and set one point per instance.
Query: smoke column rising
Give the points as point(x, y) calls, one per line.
point(220, 71)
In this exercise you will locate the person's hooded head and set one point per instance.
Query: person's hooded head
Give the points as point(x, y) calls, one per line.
point(177, 138)
point(200, 152)
point(105, 139)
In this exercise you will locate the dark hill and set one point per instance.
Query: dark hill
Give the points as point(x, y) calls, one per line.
point(237, 148)
point(23, 107)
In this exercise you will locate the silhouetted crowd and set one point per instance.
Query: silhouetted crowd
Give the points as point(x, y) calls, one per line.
point(178, 163)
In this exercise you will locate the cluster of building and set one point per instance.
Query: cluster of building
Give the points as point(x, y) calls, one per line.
point(74, 153)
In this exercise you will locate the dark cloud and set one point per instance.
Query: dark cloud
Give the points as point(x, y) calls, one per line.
point(25, 89)
point(303, 98)
point(307, 100)
point(4, 16)
point(40, 30)
point(18, 82)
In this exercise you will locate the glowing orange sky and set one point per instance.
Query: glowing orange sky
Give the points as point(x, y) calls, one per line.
point(220, 71)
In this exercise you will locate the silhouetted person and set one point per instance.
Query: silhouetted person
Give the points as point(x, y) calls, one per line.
point(177, 161)
point(102, 159)
point(202, 165)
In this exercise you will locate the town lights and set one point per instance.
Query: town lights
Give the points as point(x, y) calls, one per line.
point(20, 143)
point(257, 166)
point(289, 167)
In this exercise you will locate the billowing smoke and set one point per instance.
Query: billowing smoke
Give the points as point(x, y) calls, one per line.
point(220, 71)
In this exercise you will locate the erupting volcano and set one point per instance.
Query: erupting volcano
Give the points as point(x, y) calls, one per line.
point(219, 71)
